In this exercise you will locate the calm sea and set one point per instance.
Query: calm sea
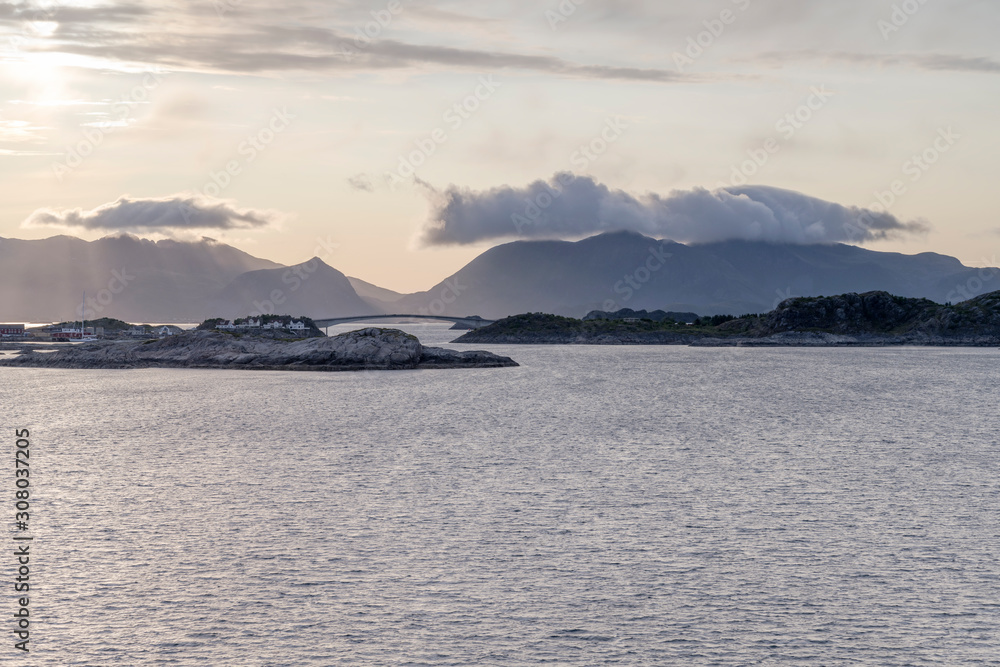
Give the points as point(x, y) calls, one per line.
point(597, 505)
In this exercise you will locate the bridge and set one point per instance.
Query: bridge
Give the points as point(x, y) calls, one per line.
point(473, 322)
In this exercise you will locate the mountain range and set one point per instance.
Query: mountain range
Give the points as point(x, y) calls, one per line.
point(628, 270)
point(172, 281)
point(124, 277)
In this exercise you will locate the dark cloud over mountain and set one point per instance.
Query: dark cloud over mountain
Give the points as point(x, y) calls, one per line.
point(570, 206)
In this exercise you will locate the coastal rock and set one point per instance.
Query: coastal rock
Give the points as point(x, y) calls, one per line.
point(437, 357)
point(870, 319)
point(877, 318)
point(577, 338)
point(366, 349)
point(629, 314)
point(544, 329)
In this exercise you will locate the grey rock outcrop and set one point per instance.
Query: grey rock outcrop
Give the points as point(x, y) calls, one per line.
point(366, 349)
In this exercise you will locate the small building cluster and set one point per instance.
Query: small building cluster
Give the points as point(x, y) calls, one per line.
point(257, 323)
point(12, 331)
point(71, 333)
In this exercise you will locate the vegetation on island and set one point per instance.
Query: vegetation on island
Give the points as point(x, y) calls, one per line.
point(877, 314)
point(629, 314)
point(874, 313)
point(108, 323)
point(557, 324)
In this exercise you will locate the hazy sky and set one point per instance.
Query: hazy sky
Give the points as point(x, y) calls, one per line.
point(375, 133)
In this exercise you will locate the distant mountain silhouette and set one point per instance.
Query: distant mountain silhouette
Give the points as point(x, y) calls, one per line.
point(171, 281)
point(628, 270)
point(384, 299)
point(125, 277)
point(312, 288)
point(164, 281)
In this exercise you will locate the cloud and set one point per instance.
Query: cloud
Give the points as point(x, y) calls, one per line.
point(570, 206)
point(361, 182)
point(19, 130)
point(29, 12)
point(250, 38)
point(924, 61)
point(279, 50)
point(398, 54)
point(177, 212)
point(12, 153)
point(255, 36)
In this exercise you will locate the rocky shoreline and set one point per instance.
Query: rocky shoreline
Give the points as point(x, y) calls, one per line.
point(873, 319)
point(366, 349)
point(788, 339)
point(577, 338)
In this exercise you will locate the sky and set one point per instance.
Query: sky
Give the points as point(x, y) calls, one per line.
point(398, 139)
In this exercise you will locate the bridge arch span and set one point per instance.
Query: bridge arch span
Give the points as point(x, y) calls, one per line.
point(474, 322)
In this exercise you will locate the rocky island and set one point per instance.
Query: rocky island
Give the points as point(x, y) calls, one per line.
point(366, 349)
point(869, 319)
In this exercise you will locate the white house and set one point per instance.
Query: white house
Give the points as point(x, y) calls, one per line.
point(297, 326)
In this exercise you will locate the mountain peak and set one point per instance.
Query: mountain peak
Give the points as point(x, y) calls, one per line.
point(312, 288)
point(128, 278)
